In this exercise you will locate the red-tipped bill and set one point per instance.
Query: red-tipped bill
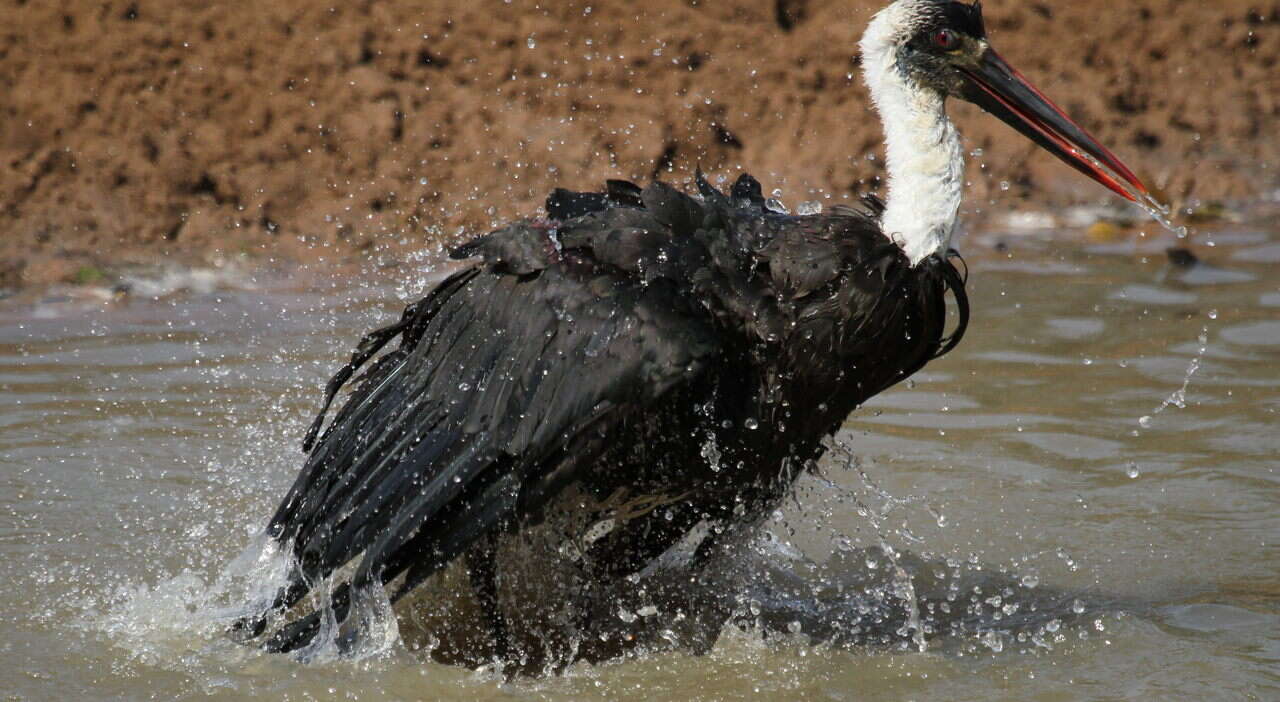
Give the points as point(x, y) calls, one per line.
point(998, 88)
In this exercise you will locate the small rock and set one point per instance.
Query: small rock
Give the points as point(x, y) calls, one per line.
point(1104, 230)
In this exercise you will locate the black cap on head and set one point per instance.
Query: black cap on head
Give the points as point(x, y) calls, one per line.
point(965, 18)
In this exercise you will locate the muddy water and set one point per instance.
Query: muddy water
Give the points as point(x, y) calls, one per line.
point(1081, 503)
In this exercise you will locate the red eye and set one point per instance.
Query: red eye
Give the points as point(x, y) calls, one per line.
point(946, 39)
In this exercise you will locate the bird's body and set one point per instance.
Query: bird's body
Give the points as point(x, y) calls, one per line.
point(639, 366)
point(675, 361)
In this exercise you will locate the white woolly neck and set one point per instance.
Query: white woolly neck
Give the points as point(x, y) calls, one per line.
point(924, 158)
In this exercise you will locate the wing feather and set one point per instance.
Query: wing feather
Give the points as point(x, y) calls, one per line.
point(503, 373)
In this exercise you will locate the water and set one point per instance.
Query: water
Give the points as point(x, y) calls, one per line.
point(1118, 552)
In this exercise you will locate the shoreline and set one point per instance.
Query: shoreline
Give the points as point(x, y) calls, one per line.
point(988, 238)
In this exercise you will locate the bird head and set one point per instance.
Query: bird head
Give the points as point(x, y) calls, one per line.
point(941, 47)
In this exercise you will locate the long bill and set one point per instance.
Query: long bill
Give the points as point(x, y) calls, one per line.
point(998, 88)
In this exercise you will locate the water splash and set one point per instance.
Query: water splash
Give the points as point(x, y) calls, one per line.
point(1161, 213)
point(1157, 210)
point(903, 585)
point(1179, 397)
point(711, 452)
point(248, 585)
point(905, 589)
point(376, 631)
point(324, 647)
point(185, 608)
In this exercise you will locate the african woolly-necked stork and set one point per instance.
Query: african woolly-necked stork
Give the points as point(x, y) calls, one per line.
point(642, 364)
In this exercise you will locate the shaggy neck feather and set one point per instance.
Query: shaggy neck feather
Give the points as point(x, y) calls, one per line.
point(924, 157)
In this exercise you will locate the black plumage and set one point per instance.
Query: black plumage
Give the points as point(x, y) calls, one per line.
point(640, 377)
point(602, 348)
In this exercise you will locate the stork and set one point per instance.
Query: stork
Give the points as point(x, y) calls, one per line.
point(642, 364)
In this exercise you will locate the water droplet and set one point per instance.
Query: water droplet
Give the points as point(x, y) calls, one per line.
point(1078, 607)
point(1213, 314)
point(776, 206)
point(531, 43)
point(751, 423)
point(993, 641)
point(1030, 581)
point(1133, 471)
point(1145, 422)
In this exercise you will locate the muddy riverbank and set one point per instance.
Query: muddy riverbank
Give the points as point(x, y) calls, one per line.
point(137, 133)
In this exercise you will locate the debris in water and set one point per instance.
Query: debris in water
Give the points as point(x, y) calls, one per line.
point(1182, 257)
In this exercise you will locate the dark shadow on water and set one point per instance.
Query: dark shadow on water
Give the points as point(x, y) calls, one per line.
point(865, 599)
point(861, 600)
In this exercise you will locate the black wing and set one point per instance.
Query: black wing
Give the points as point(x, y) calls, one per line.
point(510, 372)
point(505, 370)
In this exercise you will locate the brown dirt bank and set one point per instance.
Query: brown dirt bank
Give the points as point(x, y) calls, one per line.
point(177, 130)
